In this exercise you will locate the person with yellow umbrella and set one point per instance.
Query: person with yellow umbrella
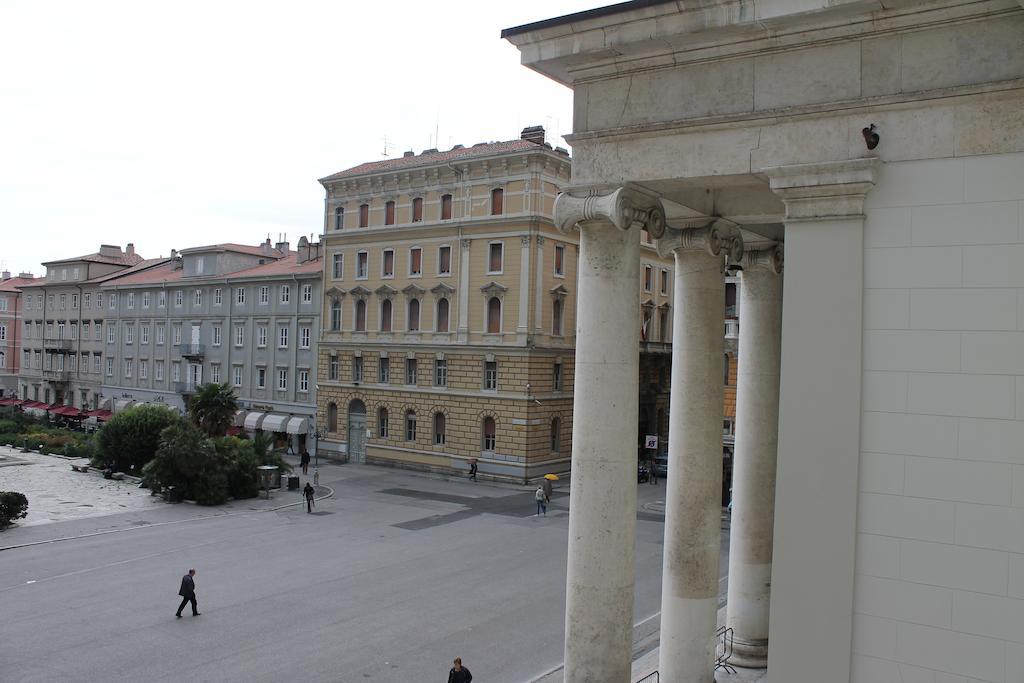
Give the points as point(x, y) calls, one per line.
point(547, 486)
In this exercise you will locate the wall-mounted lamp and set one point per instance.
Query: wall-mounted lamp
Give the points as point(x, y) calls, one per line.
point(871, 136)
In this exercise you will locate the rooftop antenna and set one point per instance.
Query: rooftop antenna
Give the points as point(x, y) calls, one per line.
point(384, 153)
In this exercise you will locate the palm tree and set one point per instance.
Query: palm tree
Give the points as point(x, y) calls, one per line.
point(213, 407)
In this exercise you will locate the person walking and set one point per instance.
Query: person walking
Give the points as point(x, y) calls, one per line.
point(308, 492)
point(538, 495)
point(188, 593)
point(472, 469)
point(459, 673)
point(304, 461)
point(548, 490)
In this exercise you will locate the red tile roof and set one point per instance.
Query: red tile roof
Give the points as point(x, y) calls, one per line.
point(121, 260)
point(231, 246)
point(284, 266)
point(154, 272)
point(166, 271)
point(430, 158)
point(13, 284)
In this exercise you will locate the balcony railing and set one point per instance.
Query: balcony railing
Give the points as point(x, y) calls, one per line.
point(732, 328)
point(185, 387)
point(192, 350)
point(56, 375)
point(57, 344)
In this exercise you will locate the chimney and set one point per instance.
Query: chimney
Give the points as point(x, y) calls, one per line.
point(26, 274)
point(534, 134)
point(129, 249)
point(111, 250)
point(408, 154)
point(7, 275)
point(174, 253)
point(282, 244)
point(266, 247)
point(302, 250)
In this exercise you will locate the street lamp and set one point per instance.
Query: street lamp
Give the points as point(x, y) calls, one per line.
point(317, 435)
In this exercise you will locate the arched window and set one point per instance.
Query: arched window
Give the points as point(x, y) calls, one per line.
point(556, 318)
point(410, 425)
point(360, 316)
point(497, 202)
point(442, 315)
point(382, 423)
point(364, 215)
point(385, 315)
point(439, 427)
point(414, 315)
point(335, 315)
point(494, 315)
point(556, 435)
point(488, 433)
point(332, 417)
point(339, 217)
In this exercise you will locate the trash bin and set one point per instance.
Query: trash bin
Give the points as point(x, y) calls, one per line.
point(293, 482)
point(173, 494)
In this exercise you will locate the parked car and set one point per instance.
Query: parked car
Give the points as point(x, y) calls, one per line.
point(661, 465)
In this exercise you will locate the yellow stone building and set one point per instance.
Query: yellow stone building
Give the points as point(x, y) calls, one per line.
point(448, 322)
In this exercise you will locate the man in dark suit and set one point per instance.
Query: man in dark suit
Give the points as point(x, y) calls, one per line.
point(188, 593)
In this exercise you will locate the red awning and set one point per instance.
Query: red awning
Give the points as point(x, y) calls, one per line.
point(67, 411)
point(10, 401)
point(98, 414)
point(34, 404)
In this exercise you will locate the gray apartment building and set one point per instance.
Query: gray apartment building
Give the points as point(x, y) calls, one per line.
point(62, 327)
point(245, 315)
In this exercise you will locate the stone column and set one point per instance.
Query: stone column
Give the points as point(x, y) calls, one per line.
point(693, 507)
point(753, 479)
point(522, 326)
point(462, 331)
point(819, 417)
point(538, 309)
point(602, 508)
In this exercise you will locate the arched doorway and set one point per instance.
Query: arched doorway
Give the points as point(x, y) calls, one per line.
point(357, 431)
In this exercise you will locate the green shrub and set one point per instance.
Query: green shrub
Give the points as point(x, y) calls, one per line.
point(131, 438)
point(187, 460)
point(13, 506)
point(239, 461)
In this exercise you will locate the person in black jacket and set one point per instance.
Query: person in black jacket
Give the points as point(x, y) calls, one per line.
point(309, 492)
point(459, 673)
point(188, 593)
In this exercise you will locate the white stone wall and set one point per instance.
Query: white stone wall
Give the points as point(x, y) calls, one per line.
point(939, 592)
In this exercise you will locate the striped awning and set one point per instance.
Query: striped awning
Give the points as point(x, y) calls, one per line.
point(274, 423)
point(239, 419)
point(297, 425)
point(253, 420)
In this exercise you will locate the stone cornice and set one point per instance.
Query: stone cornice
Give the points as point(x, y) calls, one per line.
point(827, 190)
point(623, 207)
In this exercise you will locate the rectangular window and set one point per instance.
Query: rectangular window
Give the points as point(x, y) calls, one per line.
point(215, 373)
point(216, 335)
point(85, 330)
point(560, 259)
point(175, 372)
point(387, 266)
point(239, 335)
point(176, 334)
point(357, 369)
point(236, 375)
point(495, 257)
point(664, 282)
point(446, 207)
point(63, 301)
point(261, 336)
point(74, 301)
point(197, 297)
point(304, 337)
point(282, 379)
point(218, 297)
point(362, 265)
point(110, 366)
point(129, 334)
point(338, 266)
point(240, 295)
point(384, 370)
point(389, 213)
point(264, 295)
point(491, 375)
point(161, 334)
point(158, 370)
point(497, 202)
point(144, 334)
point(333, 368)
point(556, 377)
point(282, 337)
point(417, 209)
point(444, 260)
point(440, 373)
point(647, 278)
point(161, 299)
point(143, 370)
point(131, 300)
point(364, 215)
point(307, 294)
point(110, 334)
point(86, 300)
point(303, 380)
point(74, 273)
point(410, 371)
point(146, 298)
point(179, 297)
point(415, 261)
point(261, 378)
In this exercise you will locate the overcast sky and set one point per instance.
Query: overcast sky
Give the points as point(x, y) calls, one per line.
point(179, 124)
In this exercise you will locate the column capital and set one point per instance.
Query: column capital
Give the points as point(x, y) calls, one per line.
point(770, 260)
point(829, 190)
point(704, 233)
point(622, 206)
point(466, 243)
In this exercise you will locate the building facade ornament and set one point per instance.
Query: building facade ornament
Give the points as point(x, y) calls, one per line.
point(559, 292)
point(385, 292)
point(770, 259)
point(525, 240)
point(442, 290)
point(360, 292)
point(466, 243)
point(621, 206)
point(494, 289)
point(413, 291)
point(715, 236)
point(830, 190)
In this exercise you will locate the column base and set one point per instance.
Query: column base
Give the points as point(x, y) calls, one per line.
point(752, 655)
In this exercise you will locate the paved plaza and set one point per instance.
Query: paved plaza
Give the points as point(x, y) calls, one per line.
point(393, 575)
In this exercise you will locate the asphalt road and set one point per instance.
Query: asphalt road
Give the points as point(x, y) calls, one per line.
point(388, 581)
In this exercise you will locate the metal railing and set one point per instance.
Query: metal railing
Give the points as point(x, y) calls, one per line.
point(652, 677)
point(57, 375)
point(191, 349)
point(185, 387)
point(724, 652)
point(57, 344)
